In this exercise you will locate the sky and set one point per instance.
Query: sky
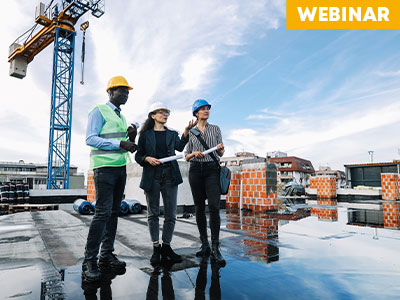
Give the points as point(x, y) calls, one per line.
point(328, 96)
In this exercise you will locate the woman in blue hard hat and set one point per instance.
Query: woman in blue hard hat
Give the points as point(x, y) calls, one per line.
point(156, 141)
point(204, 178)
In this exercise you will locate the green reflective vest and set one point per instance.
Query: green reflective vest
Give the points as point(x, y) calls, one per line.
point(114, 128)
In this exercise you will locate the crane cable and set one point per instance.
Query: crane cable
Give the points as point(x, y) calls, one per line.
point(83, 27)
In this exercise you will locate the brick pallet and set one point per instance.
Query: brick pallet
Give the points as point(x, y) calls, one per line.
point(13, 208)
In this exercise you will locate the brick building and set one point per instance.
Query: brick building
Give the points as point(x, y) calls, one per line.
point(292, 168)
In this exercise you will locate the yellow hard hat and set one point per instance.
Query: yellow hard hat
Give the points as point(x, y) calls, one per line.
point(118, 81)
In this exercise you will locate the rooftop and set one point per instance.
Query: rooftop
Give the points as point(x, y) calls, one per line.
point(307, 257)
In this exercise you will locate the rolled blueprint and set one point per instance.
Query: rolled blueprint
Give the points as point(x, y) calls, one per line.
point(210, 150)
point(171, 158)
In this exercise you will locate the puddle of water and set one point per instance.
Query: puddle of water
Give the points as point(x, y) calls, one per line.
point(319, 254)
point(20, 282)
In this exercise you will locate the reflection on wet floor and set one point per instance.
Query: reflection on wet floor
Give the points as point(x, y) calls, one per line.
point(326, 210)
point(329, 250)
point(259, 233)
point(103, 286)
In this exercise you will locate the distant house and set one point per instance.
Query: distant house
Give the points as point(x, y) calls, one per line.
point(36, 175)
point(292, 168)
point(369, 174)
point(340, 175)
point(289, 168)
point(240, 157)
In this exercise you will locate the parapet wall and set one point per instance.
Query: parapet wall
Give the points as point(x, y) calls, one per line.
point(134, 192)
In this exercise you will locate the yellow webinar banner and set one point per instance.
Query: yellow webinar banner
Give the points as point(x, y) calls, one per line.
point(343, 14)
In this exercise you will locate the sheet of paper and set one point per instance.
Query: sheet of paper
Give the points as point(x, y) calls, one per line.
point(171, 158)
point(210, 150)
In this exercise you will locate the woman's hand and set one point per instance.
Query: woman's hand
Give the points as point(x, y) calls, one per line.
point(152, 161)
point(198, 154)
point(191, 124)
point(220, 149)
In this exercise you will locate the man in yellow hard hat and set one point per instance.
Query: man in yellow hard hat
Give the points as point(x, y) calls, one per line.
point(110, 141)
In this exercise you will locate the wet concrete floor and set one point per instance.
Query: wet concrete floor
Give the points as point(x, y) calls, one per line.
point(334, 252)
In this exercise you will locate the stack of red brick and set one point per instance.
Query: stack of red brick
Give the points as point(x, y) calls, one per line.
point(252, 177)
point(313, 182)
point(391, 195)
point(233, 196)
point(326, 186)
point(91, 191)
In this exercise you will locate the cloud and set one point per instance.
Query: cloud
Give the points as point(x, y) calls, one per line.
point(388, 73)
point(169, 51)
point(263, 117)
point(195, 69)
point(325, 134)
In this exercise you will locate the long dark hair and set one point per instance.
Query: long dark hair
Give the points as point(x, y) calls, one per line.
point(148, 124)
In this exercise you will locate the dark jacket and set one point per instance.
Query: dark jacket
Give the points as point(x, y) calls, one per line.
point(147, 147)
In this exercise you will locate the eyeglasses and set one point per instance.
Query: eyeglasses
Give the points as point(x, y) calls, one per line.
point(204, 108)
point(163, 112)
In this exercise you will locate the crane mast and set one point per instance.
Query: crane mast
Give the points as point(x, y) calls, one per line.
point(57, 21)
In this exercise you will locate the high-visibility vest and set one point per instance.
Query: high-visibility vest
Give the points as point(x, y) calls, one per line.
point(114, 128)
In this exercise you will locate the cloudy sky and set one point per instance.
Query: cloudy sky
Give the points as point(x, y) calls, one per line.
point(324, 95)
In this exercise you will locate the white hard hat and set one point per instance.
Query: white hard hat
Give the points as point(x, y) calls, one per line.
point(157, 106)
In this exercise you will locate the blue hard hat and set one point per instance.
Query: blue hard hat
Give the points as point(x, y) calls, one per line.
point(199, 103)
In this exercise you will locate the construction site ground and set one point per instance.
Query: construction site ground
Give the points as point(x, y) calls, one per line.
point(41, 253)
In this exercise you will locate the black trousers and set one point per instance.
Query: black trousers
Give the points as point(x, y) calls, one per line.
point(110, 185)
point(204, 183)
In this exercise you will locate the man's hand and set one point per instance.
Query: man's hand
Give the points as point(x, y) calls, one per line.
point(128, 146)
point(132, 132)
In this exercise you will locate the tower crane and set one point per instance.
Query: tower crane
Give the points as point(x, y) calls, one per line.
point(56, 23)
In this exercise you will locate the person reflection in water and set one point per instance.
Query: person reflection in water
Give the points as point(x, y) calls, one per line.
point(201, 281)
point(104, 284)
point(167, 289)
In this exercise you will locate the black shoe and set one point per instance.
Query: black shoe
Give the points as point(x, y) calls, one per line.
point(216, 255)
point(156, 257)
point(110, 261)
point(168, 253)
point(90, 270)
point(205, 250)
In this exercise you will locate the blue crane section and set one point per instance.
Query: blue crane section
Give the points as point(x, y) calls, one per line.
point(57, 21)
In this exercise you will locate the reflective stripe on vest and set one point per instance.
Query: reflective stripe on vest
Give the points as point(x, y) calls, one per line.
point(114, 128)
point(96, 152)
point(113, 135)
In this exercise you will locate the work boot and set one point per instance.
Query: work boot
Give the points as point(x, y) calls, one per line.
point(90, 271)
point(204, 250)
point(168, 253)
point(110, 261)
point(156, 257)
point(216, 255)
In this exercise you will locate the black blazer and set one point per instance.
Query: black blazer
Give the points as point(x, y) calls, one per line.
point(147, 147)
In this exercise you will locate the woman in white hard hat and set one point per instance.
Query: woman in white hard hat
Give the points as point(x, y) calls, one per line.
point(204, 178)
point(156, 141)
